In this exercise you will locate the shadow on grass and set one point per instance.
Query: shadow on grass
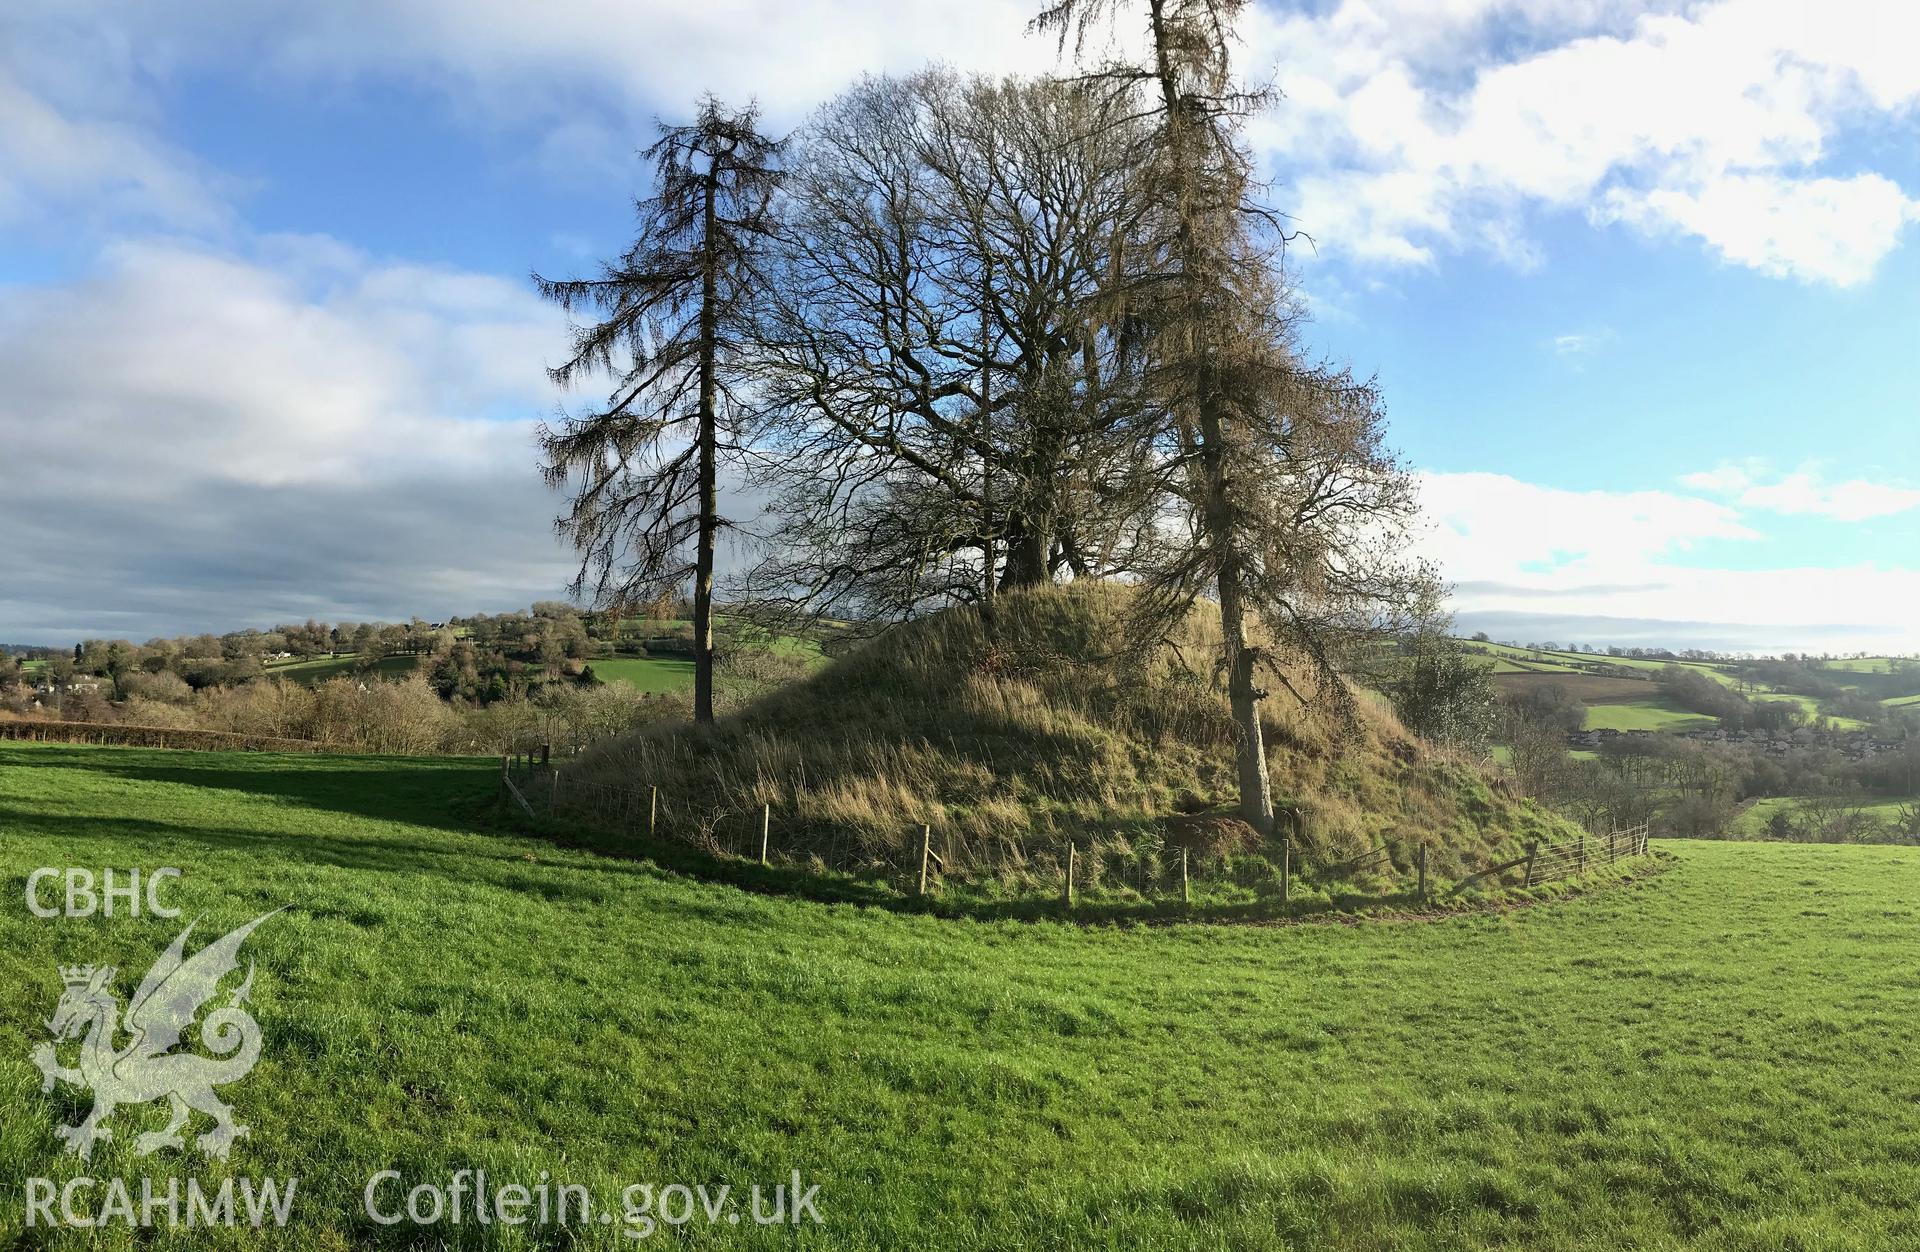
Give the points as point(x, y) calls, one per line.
point(956, 901)
point(461, 796)
point(438, 792)
point(470, 863)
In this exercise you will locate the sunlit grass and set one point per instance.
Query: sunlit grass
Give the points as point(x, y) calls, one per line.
point(1716, 1057)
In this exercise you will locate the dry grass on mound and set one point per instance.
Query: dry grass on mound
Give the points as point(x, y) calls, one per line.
point(1054, 729)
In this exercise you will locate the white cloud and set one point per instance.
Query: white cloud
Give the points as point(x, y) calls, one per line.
point(1580, 343)
point(1495, 527)
point(219, 439)
point(1832, 229)
point(61, 167)
point(222, 368)
point(559, 62)
point(1402, 137)
point(1410, 127)
point(1806, 492)
point(1615, 567)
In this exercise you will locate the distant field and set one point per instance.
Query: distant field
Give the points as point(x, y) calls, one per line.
point(1586, 688)
point(1864, 665)
point(1811, 707)
point(1613, 703)
point(1528, 660)
point(321, 668)
point(1508, 660)
point(646, 673)
point(1516, 668)
point(1753, 822)
point(1650, 713)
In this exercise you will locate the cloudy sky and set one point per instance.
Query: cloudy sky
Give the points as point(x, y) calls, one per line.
point(1639, 279)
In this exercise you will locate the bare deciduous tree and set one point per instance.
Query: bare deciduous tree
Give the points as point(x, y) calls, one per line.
point(959, 408)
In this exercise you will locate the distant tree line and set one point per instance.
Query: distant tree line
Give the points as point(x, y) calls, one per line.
point(485, 682)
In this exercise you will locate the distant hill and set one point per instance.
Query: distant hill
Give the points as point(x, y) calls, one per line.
point(1623, 692)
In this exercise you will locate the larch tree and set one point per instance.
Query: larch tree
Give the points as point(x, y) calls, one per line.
point(1290, 512)
point(673, 312)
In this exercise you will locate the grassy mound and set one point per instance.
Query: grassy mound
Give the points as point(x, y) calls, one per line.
point(1053, 730)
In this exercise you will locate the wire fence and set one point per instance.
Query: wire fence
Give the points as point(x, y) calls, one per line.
point(1570, 858)
point(921, 862)
point(38, 731)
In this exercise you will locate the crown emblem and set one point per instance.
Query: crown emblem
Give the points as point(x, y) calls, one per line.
point(76, 975)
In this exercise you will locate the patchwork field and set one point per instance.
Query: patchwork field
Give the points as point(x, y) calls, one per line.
point(1716, 1057)
point(1865, 665)
point(1752, 822)
point(655, 674)
point(646, 673)
point(321, 668)
point(1811, 707)
point(1649, 713)
point(1612, 703)
point(1587, 688)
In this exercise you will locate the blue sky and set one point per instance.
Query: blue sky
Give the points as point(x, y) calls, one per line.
point(1639, 280)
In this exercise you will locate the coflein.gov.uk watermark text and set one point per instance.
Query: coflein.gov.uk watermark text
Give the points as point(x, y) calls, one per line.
point(469, 1197)
point(466, 1197)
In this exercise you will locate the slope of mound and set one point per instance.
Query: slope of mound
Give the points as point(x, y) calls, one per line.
point(1053, 729)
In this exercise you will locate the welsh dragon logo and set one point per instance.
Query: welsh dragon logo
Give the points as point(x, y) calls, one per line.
point(147, 1068)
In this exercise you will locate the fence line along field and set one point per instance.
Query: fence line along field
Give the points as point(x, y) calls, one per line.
point(1717, 1056)
point(1385, 876)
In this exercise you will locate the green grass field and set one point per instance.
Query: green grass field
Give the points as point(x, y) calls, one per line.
point(1752, 823)
point(1864, 665)
point(321, 668)
point(646, 673)
point(1511, 660)
point(1715, 1057)
point(1811, 707)
point(1655, 712)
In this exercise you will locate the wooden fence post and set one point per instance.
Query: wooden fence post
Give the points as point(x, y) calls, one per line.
point(926, 853)
point(1423, 872)
point(653, 810)
point(505, 768)
point(1286, 870)
point(1186, 888)
point(1583, 852)
point(1532, 849)
point(766, 825)
point(553, 794)
point(1073, 856)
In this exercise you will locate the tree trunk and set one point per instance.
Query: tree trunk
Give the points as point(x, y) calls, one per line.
point(1027, 549)
point(1243, 692)
point(989, 558)
point(1256, 789)
point(1243, 695)
point(709, 494)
